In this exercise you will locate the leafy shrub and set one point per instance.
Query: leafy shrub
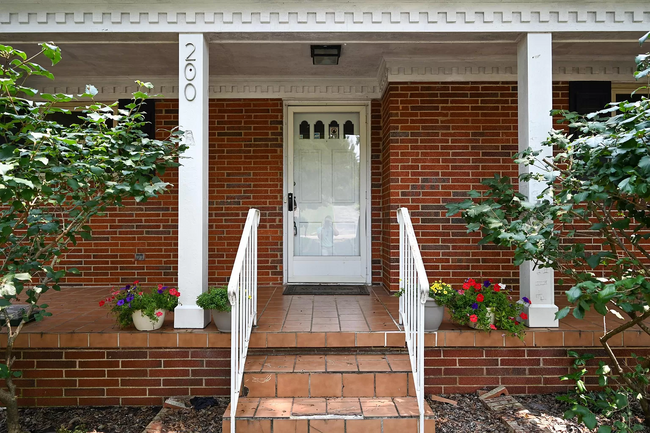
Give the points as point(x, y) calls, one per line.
point(216, 298)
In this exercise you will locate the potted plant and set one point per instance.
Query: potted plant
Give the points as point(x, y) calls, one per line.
point(216, 300)
point(487, 306)
point(146, 309)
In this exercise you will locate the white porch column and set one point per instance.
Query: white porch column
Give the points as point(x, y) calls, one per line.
point(535, 87)
point(193, 181)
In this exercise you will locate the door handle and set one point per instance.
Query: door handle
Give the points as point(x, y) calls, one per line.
point(292, 202)
point(295, 229)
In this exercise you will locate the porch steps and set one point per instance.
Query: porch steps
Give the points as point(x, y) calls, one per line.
point(337, 393)
point(328, 415)
point(328, 376)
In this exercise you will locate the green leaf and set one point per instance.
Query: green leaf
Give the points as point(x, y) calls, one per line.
point(23, 276)
point(579, 312)
point(562, 313)
point(72, 183)
point(573, 294)
point(52, 52)
point(643, 38)
point(593, 261)
point(604, 429)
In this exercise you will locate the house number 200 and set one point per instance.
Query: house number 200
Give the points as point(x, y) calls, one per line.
point(190, 73)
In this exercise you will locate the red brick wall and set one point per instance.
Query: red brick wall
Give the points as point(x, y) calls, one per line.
point(430, 143)
point(110, 377)
point(521, 370)
point(439, 141)
point(245, 171)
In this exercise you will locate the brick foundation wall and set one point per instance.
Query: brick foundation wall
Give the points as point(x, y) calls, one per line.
point(127, 377)
point(439, 141)
point(521, 370)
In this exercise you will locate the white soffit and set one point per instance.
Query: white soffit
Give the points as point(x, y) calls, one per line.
point(73, 16)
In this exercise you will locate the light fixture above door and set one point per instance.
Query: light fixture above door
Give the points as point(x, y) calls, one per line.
point(325, 54)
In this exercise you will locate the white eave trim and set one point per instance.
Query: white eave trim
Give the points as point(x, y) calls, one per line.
point(39, 16)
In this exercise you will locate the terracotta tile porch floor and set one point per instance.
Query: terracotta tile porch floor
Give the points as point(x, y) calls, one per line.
point(295, 321)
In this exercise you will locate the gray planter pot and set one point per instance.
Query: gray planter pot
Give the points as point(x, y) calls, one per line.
point(221, 320)
point(433, 314)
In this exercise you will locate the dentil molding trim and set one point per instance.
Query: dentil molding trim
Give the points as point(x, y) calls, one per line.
point(308, 88)
point(338, 16)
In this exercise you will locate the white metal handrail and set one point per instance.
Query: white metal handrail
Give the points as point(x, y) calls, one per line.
point(414, 288)
point(242, 293)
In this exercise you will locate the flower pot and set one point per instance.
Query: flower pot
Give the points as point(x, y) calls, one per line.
point(144, 323)
point(491, 315)
point(433, 314)
point(221, 320)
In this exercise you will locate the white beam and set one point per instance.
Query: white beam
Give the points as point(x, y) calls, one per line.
point(535, 100)
point(193, 74)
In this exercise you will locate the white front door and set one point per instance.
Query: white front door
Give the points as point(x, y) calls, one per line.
point(325, 215)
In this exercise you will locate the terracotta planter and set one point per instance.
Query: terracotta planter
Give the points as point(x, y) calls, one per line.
point(221, 320)
point(433, 314)
point(144, 323)
point(491, 315)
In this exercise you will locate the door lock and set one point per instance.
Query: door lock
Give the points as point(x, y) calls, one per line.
point(295, 229)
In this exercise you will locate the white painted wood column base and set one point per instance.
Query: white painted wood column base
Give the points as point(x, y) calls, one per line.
point(535, 100)
point(193, 181)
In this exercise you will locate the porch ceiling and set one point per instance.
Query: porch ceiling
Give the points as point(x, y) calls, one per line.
point(147, 56)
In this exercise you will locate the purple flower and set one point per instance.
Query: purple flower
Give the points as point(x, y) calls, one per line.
point(526, 300)
point(475, 306)
point(129, 298)
point(486, 283)
point(120, 302)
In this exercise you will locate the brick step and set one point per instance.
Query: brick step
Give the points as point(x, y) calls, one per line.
point(376, 375)
point(331, 415)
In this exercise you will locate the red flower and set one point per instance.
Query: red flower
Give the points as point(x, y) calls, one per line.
point(101, 303)
point(473, 318)
point(480, 298)
point(477, 286)
point(466, 285)
point(159, 313)
point(494, 328)
point(497, 287)
point(140, 293)
point(490, 280)
point(160, 286)
point(471, 281)
point(523, 316)
point(172, 291)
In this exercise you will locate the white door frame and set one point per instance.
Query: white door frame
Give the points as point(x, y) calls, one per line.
point(365, 185)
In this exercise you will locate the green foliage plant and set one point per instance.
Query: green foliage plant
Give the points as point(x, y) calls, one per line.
point(597, 186)
point(126, 300)
point(611, 402)
point(55, 178)
point(216, 298)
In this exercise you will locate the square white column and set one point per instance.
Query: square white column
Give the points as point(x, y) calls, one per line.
point(193, 71)
point(535, 100)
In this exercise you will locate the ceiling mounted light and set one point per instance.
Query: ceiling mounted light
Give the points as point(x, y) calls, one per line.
point(325, 54)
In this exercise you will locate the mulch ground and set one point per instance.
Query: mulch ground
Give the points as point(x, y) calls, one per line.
point(469, 416)
point(90, 419)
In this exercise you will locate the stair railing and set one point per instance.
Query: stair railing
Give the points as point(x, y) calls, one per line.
point(242, 293)
point(414, 289)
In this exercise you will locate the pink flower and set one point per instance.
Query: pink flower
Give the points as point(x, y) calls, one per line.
point(159, 313)
point(473, 318)
point(461, 292)
point(494, 328)
point(140, 293)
